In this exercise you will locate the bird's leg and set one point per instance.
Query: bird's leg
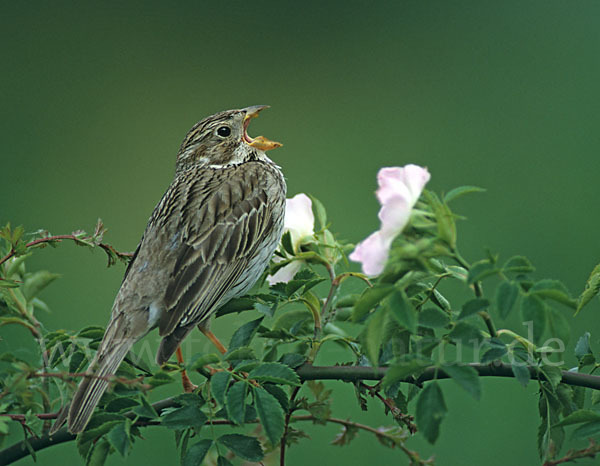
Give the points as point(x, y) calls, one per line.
point(188, 386)
point(213, 338)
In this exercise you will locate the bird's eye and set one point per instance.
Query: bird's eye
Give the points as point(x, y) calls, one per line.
point(224, 131)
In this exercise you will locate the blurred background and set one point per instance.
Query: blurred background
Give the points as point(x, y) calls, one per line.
point(97, 98)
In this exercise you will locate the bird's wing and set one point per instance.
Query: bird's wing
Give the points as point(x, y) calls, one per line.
point(223, 228)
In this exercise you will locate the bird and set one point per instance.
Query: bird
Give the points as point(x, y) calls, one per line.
point(208, 240)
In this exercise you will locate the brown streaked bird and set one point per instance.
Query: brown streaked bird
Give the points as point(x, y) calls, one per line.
point(208, 240)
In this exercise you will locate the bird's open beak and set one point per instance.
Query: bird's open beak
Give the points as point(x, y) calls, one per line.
point(259, 142)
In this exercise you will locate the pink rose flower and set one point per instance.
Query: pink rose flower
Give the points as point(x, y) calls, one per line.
point(398, 192)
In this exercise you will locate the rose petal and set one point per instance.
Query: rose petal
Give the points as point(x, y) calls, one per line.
point(299, 218)
point(394, 216)
point(285, 273)
point(407, 182)
point(372, 253)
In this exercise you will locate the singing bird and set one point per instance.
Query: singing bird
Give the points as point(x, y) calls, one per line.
point(208, 240)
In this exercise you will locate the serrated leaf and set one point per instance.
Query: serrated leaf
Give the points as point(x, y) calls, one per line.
point(120, 404)
point(373, 335)
point(185, 417)
point(276, 373)
point(402, 310)
point(36, 282)
point(222, 461)
point(202, 360)
point(506, 296)
point(119, 437)
point(587, 430)
point(369, 299)
point(319, 212)
point(243, 352)
point(245, 447)
point(410, 365)
point(196, 453)
point(145, 409)
point(160, 378)
point(465, 333)
point(533, 310)
point(559, 326)
point(432, 317)
point(270, 414)
point(518, 265)
point(552, 374)
point(466, 377)
point(431, 410)
point(480, 270)
point(245, 303)
point(493, 354)
point(92, 332)
point(583, 350)
point(292, 360)
point(554, 290)
point(579, 416)
point(280, 394)
point(461, 191)
point(473, 306)
point(521, 373)
point(286, 243)
point(243, 335)
point(218, 385)
point(236, 402)
point(592, 287)
point(99, 453)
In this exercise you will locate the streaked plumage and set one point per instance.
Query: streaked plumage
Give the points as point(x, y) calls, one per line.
point(207, 241)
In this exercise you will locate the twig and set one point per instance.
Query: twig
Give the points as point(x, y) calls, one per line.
point(287, 424)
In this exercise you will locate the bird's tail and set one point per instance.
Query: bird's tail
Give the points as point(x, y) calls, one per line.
point(92, 387)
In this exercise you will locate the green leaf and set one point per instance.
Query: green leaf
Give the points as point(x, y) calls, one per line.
point(461, 191)
point(410, 365)
point(275, 372)
point(521, 373)
point(518, 265)
point(583, 351)
point(506, 296)
point(592, 287)
point(202, 360)
point(119, 437)
point(218, 385)
point(587, 430)
point(196, 453)
point(559, 325)
point(369, 299)
point(120, 404)
point(37, 282)
point(92, 332)
point(245, 447)
point(431, 410)
point(236, 402)
point(280, 394)
point(238, 305)
point(160, 378)
point(465, 333)
point(473, 306)
point(480, 270)
point(432, 317)
point(182, 418)
point(579, 416)
point(292, 360)
point(444, 218)
point(533, 310)
point(373, 335)
point(99, 453)
point(493, 354)
point(222, 461)
point(243, 335)
point(402, 310)
point(554, 290)
point(466, 377)
point(552, 374)
point(286, 243)
point(270, 414)
point(243, 352)
point(145, 409)
point(319, 212)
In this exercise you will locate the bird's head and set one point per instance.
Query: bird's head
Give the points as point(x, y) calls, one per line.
point(222, 139)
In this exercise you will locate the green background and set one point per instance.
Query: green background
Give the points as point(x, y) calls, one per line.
point(96, 99)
